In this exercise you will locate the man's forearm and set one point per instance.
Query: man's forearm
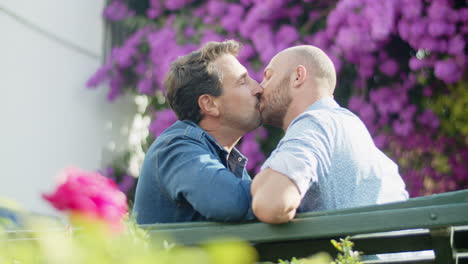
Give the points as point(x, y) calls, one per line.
point(275, 198)
point(271, 213)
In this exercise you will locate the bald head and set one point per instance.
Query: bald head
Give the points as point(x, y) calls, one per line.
point(318, 65)
point(294, 79)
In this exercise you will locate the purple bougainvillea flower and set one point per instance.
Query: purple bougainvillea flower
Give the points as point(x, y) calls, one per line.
point(429, 118)
point(448, 71)
point(126, 183)
point(389, 67)
point(117, 10)
point(251, 149)
point(162, 120)
point(412, 8)
point(402, 128)
point(456, 45)
point(145, 86)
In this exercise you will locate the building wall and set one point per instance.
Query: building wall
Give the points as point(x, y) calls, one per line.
point(49, 120)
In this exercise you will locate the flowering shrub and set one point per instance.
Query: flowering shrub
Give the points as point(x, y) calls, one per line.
point(401, 67)
point(90, 194)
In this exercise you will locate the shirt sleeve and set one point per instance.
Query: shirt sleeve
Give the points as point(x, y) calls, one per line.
point(302, 154)
point(189, 171)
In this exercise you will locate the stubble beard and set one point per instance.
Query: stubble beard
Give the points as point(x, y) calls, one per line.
point(277, 104)
point(253, 121)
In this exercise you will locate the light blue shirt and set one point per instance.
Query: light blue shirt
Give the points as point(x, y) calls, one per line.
point(329, 154)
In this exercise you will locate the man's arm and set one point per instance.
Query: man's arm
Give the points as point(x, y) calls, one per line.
point(187, 170)
point(293, 167)
point(275, 197)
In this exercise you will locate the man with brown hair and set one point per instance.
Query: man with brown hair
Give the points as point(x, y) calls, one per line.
point(192, 172)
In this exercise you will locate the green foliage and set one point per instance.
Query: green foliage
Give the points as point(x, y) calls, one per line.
point(230, 252)
point(346, 255)
point(319, 258)
point(91, 242)
point(452, 107)
point(45, 240)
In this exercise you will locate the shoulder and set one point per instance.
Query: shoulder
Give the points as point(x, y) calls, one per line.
point(326, 121)
point(310, 123)
point(184, 131)
point(179, 137)
point(320, 128)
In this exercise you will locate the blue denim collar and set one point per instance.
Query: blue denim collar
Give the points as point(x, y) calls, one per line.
point(193, 130)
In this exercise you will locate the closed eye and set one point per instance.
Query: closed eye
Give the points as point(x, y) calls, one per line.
point(242, 79)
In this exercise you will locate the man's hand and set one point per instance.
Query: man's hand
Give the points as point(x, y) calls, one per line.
point(275, 198)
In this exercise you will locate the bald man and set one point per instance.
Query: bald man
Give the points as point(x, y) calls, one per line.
point(327, 159)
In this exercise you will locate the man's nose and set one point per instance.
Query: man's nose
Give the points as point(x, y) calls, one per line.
point(257, 89)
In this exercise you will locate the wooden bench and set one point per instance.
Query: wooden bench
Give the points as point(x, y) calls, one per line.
point(438, 223)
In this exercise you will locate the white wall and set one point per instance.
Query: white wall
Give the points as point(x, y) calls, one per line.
point(48, 119)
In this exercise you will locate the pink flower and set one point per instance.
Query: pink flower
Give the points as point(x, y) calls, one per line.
point(90, 194)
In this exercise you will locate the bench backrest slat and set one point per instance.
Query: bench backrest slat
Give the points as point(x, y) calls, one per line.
point(324, 226)
point(413, 225)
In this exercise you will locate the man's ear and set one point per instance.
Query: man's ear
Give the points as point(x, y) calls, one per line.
point(208, 105)
point(300, 75)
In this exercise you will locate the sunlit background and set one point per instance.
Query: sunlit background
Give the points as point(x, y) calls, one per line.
point(49, 120)
point(81, 80)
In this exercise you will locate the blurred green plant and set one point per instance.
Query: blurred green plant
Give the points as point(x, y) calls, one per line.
point(47, 241)
point(90, 242)
point(347, 255)
point(99, 232)
point(452, 107)
point(318, 258)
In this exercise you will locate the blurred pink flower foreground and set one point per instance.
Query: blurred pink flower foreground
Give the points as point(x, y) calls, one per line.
point(90, 194)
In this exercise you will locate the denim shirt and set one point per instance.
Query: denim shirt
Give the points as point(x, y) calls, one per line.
point(187, 176)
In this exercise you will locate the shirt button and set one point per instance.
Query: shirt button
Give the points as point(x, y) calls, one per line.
point(239, 159)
